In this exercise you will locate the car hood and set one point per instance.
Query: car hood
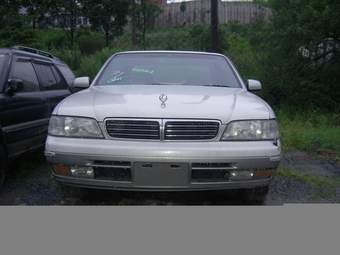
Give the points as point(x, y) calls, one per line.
point(143, 101)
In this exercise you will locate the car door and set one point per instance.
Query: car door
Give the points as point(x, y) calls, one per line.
point(28, 109)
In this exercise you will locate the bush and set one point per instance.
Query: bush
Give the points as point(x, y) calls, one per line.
point(53, 38)
point(89, 44)
point(90, 64)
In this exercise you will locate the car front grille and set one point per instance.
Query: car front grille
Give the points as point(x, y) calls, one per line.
point(211, 172)
point(121, 171)
point(169, 130)
point(133, 129)
point(190, 130)
point(112, 170)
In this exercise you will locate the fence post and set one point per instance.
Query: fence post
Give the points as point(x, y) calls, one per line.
point(214, 28)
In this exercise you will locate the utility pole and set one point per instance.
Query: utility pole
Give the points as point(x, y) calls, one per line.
point(214, 26)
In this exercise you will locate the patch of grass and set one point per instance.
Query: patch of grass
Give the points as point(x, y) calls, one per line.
point(324, 186)
point(318, 133)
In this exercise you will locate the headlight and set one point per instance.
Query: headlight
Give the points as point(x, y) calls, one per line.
point(74, 127)
point(251, 130)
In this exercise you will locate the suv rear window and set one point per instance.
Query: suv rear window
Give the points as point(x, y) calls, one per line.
point(2, 61)
point(67, 73)
point(49, 77)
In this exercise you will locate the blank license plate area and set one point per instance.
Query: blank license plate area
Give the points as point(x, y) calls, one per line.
point(161, 174)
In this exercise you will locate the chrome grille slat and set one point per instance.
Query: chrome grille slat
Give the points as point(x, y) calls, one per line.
point(190, 130)
point(173, 130)
point(133, 129)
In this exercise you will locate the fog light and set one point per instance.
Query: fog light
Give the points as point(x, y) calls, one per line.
point(60, 169)
point(241, 175)
point(82, 171)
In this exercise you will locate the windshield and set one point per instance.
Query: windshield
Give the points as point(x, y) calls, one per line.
point(168, 69)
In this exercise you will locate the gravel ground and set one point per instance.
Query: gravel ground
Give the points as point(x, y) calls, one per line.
point(27, 187)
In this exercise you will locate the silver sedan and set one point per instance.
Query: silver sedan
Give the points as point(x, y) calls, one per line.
point(165, 121)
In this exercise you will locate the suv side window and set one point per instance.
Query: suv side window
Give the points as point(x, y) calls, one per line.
point(23, 69)
point(68, 74)
point(49, 77)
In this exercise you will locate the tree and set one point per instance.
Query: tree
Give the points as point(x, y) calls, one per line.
point(145, 14)
point(36, 11)
point(108, 15)
point(14, 25)
point(182, 6)
point(308, 82)
point(70, 11)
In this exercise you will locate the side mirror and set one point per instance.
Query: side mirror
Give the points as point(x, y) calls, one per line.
point(82, 82)
point(15, 85)
point(253, 85)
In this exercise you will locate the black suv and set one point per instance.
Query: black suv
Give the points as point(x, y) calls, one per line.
point(32, 83)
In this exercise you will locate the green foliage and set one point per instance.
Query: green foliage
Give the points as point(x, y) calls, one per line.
point(108, 15)
point(146, 14)
point(294, 82)
point(182, 6)
point(199, 37)
point(14, 28)
point(90, 64)
point(89, 44)
point(53, 38)
point(319, 133)
point(238, 44)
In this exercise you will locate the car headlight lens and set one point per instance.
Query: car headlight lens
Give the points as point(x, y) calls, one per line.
point(251, 130)
point(74, 127)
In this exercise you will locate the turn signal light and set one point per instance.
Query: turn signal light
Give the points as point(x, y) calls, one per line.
point(263, 173)
point(60, 169)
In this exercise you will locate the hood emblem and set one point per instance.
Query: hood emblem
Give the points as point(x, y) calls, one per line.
point(163, 99)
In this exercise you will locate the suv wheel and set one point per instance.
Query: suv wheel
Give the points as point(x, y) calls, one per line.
point(2, 166)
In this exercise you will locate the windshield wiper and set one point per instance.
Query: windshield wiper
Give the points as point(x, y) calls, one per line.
point(217, 85)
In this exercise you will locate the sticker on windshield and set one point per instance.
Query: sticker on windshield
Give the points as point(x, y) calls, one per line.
point(117, 76)
point(141, 70)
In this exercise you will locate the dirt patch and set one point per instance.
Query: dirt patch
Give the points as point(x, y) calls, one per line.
point(11, 197)
point(311, 163)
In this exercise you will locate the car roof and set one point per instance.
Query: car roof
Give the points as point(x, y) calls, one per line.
point(27, 51)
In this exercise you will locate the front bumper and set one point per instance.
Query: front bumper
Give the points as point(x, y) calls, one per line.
point(163, 166)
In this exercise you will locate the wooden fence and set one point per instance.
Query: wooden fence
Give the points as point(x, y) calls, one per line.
point(197, 12)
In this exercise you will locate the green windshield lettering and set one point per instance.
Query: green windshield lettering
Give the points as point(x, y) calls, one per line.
point(141, 70)
point(115, 79)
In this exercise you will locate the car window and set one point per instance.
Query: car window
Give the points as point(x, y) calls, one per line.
point(23, 69)
point(48, 76)
point(60, 81)
point(172, 68)
point(3, 68)
point(2, 61)
point(67, 73)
